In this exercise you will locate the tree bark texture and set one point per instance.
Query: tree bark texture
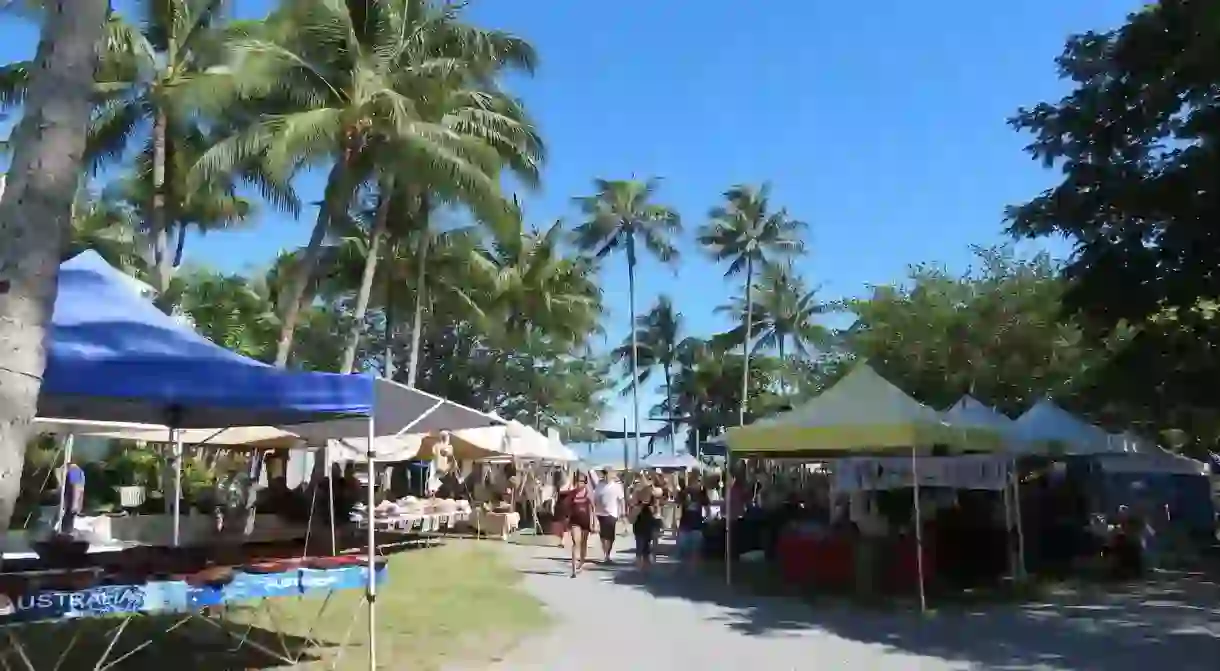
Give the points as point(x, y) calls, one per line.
point(35, 217)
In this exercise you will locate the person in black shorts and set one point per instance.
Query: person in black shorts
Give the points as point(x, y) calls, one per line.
point(580, 520)
point(644, 526)
point(608, 508)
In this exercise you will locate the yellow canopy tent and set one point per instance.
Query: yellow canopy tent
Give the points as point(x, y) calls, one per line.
point(861, 414)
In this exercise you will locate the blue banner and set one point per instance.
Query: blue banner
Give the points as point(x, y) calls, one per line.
point(176, 596)
point(57, 605)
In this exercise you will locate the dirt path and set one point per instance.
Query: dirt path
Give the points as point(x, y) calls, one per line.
point(615, 618)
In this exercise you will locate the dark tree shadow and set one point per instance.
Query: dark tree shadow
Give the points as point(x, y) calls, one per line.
point(195, 646)
point(1172, 622)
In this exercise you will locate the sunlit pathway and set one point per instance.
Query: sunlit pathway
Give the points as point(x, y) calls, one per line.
point(614, 618)
point(611, 618)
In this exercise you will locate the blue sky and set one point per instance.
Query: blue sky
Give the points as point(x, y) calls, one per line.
point(881, 123)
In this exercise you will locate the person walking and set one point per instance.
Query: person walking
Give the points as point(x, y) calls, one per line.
point(645, 518)
point(608, 505)
point(579, 508)
point(693, 504)
point(74, 497)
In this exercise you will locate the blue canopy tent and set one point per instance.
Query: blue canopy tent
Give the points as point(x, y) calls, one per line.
point(113, 355)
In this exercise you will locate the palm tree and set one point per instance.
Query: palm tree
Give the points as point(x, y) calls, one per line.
point(658, 335)
point(205, 207)
point(619, 214)
point(111, 227)
point(345, 79)
point(146, 80)
point(154, 77)
point(785, 314)
point(746, 232)
point(531, 287)
point(35, 216)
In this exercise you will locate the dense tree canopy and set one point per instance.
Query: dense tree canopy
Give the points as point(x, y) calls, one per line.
point(994, 332)
point(1138, 142)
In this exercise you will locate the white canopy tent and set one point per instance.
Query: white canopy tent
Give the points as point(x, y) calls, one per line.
point(559, 452)
point(1138, 455)
point(1048, 429)
point(969, 411)
point(402, 418)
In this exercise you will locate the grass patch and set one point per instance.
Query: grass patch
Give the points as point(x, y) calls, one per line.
point(441, 607)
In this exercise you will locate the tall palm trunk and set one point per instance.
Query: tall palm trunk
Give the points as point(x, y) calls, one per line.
point(745, 346)
point(366, 278)
point(417, 319)
point(635, 346)
point(388, 329)
point(336, 191)
point(783, 371)
point(180, 246)
point(669, 404)
point(159, 215)
point(35, 209)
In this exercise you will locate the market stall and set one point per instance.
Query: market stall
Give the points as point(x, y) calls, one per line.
point(863, 415)
point(114, 357)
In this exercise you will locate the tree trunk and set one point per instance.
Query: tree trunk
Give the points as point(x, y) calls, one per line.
point(336, 190)
point(421, 287)
point(783, 370)
point(366, 278)
point(745, 346)
point(635, 346)
point(160, 218)
point(180, 247)
point(35, 209)
point(387, 365)
point(417, 319)
point(669, 403)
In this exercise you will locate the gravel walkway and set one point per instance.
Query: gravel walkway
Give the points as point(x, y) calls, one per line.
point(615, 618)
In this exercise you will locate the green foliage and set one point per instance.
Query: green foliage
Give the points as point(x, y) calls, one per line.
point(995, 332)
point(1135, 139)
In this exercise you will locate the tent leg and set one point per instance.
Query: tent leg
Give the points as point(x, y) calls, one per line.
point(371, 593)
point(68, 444)
point(728, 515)
point(330, 503)
point(1016, 495)
point(175, 438)
point(1008, 524)
point(923, 599)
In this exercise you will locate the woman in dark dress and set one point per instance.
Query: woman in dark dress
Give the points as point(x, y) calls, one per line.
point(579, 508)
point(647, 517)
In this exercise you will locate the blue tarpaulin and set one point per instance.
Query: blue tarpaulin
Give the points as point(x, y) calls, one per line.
point(112, 355)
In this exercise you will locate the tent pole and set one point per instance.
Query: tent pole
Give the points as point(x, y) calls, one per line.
point(330, 491)
point(728, 514)
point(1008, 523)
point(371, 590)
point(923, 600)
point(175, 437)
point(1016, 495)
point(67, 446)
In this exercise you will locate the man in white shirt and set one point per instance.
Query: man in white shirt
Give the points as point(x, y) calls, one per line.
point(609, 504)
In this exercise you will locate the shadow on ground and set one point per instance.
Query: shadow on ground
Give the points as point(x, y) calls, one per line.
point(1171, 623)
point(192, 646)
